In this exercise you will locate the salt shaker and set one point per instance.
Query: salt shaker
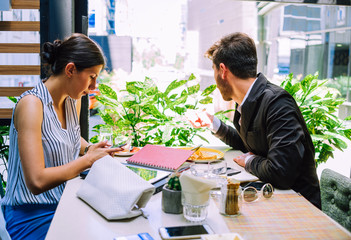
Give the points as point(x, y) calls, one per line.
point(231, 200)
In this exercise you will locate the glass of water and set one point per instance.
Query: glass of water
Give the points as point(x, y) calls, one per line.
point(123, 138)
point(105, 134)
point(200, 169)
point(218, 172)
point(195, 205)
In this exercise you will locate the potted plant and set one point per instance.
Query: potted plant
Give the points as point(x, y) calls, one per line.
point(172, 195)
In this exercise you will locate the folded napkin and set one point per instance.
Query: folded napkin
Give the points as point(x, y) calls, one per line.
point(114, 190)
point(196, 190)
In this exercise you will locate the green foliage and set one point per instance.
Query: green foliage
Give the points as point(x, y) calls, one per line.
point(151, 116)
point(4, 151)
point(174, 183)
point(4, 154)
point(319, 105)
point(340, 83)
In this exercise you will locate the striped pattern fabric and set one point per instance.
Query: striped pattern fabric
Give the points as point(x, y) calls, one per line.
point(285, 216)
point(60, 146)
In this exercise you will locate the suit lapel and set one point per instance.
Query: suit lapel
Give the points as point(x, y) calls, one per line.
point(248, 109)
point(236, 119)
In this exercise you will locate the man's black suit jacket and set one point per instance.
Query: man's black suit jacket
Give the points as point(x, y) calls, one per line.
point(273, 128)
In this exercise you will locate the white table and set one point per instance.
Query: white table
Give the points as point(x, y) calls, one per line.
point(74, 219)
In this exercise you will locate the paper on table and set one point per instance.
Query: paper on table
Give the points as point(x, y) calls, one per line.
point(243, 176)
point(192, 184)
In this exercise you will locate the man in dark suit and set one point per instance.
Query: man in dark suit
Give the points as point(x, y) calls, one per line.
point(269, 127)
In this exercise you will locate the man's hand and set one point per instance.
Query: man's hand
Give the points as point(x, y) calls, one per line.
point(240, 160)
point(199, 119)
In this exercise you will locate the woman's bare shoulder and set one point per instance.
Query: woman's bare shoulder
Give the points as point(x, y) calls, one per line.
point(29, 110)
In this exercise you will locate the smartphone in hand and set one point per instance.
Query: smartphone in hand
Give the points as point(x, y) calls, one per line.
point(118, 146)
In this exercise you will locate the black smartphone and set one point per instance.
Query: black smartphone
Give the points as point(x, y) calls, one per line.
point(118, 146)
point(232, 171)
point(84, 174)
point(257, 185)
point(185, 232)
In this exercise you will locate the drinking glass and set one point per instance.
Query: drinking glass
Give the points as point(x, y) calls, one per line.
point(218, 172)
point(195, 205)
point(121, 138)
point(105, 134)
point(200, 169)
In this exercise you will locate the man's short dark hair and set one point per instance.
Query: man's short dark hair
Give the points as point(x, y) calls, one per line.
point(238, 52)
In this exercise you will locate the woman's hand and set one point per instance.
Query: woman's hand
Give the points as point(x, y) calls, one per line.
point(101, 149)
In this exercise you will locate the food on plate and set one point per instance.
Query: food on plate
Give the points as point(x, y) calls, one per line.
point(203, 155)
point(135, 149)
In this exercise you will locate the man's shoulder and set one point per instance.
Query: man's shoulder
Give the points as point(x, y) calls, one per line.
point(273, 91)
point(266, 87)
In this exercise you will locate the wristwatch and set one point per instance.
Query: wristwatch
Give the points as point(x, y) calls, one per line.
point(86, 149)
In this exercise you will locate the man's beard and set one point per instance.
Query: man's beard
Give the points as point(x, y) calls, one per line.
point(224, 88)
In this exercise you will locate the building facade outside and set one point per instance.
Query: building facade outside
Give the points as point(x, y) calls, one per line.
point(306, 39)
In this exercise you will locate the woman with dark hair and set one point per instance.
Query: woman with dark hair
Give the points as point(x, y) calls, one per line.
point(45, 141)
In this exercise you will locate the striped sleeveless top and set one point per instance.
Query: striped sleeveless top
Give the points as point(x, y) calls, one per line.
point(60, 146)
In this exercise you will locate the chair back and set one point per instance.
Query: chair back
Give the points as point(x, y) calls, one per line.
point(336, 197)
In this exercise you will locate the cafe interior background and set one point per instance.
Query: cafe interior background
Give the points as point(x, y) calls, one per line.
point(166, 40)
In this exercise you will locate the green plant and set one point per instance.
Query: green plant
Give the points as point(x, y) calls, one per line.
point(318, 106)
point(4, 151)
point(151, 116)
point(340, 83)
point(4, 155)
point(174, 183)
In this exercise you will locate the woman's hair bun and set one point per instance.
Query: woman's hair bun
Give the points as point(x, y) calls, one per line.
point(50, 51)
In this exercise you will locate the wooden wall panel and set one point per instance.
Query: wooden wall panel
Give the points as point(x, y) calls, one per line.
point(19, 69)
point(6, 113)
point(25, 4)
point(19, 26)
point(19, 48)
point(13, 91)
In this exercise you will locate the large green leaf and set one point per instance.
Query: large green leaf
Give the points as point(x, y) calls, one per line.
point(209, 90)
point(107, 119)
point(340, 144)
point(107, 91)
point(192, 77)
point(13, 99)
point(152, 110)
point(173, 85)
point(106, 101)
point(134, 87)
point(193, 89)
point(178, 101)
point(206, 100)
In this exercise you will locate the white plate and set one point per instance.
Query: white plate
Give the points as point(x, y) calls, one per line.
point(126, 154)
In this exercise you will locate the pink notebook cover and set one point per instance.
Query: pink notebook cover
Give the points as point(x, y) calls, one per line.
point(161, 157)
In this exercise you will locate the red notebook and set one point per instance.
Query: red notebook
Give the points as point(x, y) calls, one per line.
point(161, 157)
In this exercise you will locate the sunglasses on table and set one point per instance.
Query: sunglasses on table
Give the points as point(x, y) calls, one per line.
point(252, 191)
